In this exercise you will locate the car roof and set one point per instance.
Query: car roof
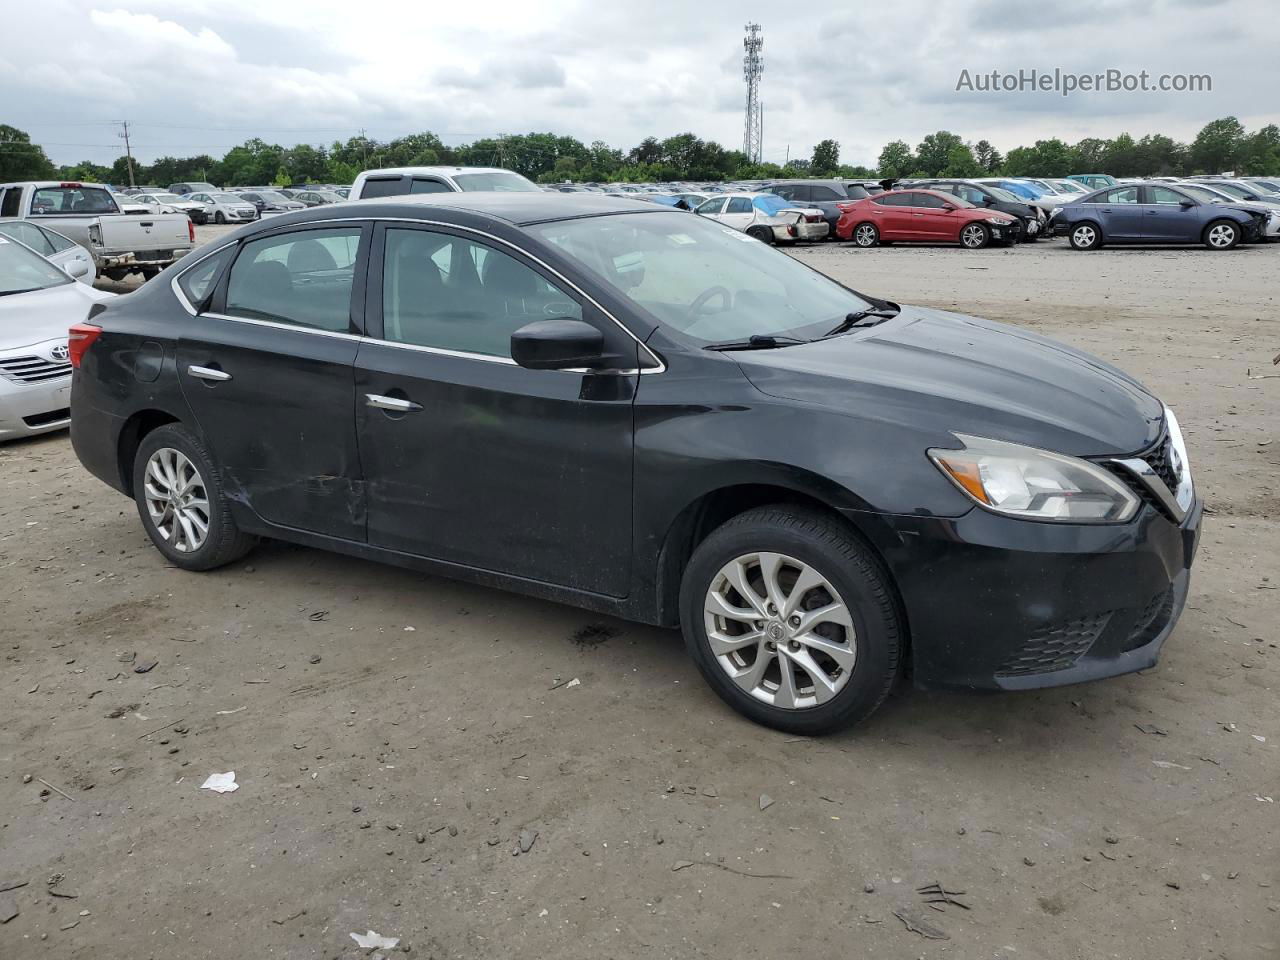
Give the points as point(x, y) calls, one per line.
point(517, 207)
point(447, 171)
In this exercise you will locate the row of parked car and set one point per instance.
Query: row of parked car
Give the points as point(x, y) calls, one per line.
point(205, 203)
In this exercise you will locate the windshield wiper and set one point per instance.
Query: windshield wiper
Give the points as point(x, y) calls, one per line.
point(859, 318)
point(9, 293)
point(757, 341)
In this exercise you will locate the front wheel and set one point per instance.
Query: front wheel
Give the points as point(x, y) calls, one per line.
point(1085, 236)
point(219, 218)
point(1221, 235)
point(866, 235)
point(975, 236)
point(791, 620)
point(180, 499)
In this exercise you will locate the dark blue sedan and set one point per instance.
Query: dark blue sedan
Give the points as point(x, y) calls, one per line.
point(1155, 213)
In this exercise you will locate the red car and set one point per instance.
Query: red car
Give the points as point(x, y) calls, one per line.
point(923, 216)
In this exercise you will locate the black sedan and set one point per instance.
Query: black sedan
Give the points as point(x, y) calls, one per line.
point(993, 198)
point(625, 408)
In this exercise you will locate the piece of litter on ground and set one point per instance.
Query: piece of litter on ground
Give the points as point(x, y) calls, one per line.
point(1260, 738)
point(227, 713)
point(543, 912)
point(1151, 728)
point(914, 922)
point(680, 865)
point(1169, 765)
point(146, 666)
point(524, 843)
point(766, 801)
point(221, 782)
point(575, 682)
point(8, 909)
point(410, 629)
point(1264, 799)
point(373, 941)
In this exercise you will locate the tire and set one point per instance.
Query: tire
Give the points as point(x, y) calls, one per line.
point(149, 273)
point(865, 235)
point(1085, 235)
point(975, 236)
point(1222, 235)
point(219, 218)
point(868, 650)
point(763, 234)
point(223, 541)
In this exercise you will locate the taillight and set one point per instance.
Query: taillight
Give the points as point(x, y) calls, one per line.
point(844, 207)
point(791, 231)
point(812, 218)
point(191, 231)
point(79, 339)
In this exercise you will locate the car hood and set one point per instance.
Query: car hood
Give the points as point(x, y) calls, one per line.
point(28, 318)
point(933, 373)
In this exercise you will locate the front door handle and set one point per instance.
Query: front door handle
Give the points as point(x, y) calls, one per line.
point(397, 404)
point(208, 373)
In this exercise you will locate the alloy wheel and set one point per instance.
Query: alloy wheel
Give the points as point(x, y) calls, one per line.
point(865, 235)
point(972, 236)
point(1084, 236)
point(780, 630)
point(1222, 236)
point(176, 499)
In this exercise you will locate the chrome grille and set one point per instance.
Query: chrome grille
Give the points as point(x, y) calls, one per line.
point(33, 369)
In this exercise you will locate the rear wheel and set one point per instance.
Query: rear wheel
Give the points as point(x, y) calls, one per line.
point(180, 499)
point(219, 218)
point(1221, 235)
point(1085, 236)
point(763, 234)
point(791, 620)
point(975, 236)
point(866, 235)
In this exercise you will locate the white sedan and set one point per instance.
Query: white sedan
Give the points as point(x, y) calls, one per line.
point(171, 203)
point(38, 303)
point(62, 252)
point(226, 207)
point(765, 216)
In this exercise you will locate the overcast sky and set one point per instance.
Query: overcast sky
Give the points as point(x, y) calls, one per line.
point(200, 76)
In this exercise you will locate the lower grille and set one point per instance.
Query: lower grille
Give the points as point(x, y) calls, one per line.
point(44, 419)
point(1055, 647)
point(33, 369)
point(1153, 618)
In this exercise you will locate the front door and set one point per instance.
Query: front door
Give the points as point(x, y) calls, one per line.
point(1166, 219)
point(269, 374)
point(469, 458)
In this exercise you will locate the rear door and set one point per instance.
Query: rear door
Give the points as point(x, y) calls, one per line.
point(1121, 213)
point(738, 213)
point(469, 458)
point(268, 371)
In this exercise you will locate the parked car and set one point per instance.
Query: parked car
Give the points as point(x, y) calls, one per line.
point(1032, 220)
point(1156, 213)
point(63, 252)
point(1271, 184)
point(162, 202)
point(1032, 194)
point(829, 196)
point(1094, 180)
point(924, 216)
point(1240, 190)
point(226, 207)
point(88, 214)
point(399, 181)
point(270, 201)
point(622, 407)
point(1208, 192)
point(39, 302)
point(195, 186)
point(765, 216)
point(315, 198)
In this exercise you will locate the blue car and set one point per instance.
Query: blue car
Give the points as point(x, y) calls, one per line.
point(1155, 213)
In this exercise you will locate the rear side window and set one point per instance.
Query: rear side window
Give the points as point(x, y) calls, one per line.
point(928, 200)
point(301, 278)
point(894, 199)
point(198, 282)
point(820, 192)
point(384, 187)
point(739, 205)
point(1120, 195)
point(429, 186)
point(87, 200)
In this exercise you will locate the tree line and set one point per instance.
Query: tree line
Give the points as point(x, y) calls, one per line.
point(1220, 146)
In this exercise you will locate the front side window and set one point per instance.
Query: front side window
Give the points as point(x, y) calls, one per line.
point(714, 205)
point(1165, 195)
point(451, 293)
point(22, 271)
point(421, 185)
point(700, 278)
point(86, 200)
point(301, 278)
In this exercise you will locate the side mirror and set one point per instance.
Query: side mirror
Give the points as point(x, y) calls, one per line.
point(988, 201)
point(557, 345)
point(1186, 204)
point(948, 207)
point(76, 268)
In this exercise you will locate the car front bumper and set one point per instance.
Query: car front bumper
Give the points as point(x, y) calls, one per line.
point(998, 603)
point(27, 409)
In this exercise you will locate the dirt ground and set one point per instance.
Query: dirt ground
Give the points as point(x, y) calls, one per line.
point(393, 734)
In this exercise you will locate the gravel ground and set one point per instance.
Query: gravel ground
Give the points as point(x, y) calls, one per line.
point(394, 735)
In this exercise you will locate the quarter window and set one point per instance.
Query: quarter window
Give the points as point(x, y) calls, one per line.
point(26, 233)
point(450, 293)
point(197, 282)
point(300, 278)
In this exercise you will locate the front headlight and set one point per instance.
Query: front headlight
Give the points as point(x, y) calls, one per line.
point(1003, 221)
point(1035, 484)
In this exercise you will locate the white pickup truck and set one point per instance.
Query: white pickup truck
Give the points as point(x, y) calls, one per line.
point(87, 213)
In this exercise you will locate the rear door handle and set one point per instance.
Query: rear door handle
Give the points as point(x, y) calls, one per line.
point(396, 404)
point(208, 373)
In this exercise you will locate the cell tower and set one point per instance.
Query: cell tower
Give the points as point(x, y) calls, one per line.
point(752, 67)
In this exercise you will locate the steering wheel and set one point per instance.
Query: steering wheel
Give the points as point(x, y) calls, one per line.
point(705, 297)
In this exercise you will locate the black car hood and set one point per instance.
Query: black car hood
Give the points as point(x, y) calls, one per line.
point(935, 373)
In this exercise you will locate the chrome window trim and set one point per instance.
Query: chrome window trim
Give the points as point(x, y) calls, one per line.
point(660, 368)
point(284, 325)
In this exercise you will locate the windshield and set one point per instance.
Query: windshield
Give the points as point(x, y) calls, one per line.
point(770, 205)
point(1001, 194)
point(701, 279)
point(22, 271)
point(1232, 189)
point(228, 198)
point(167, 198)
point(504, 182)
point(1069, 186)
point(1201, 193)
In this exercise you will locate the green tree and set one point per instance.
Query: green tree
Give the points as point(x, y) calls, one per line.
point(962, 163)
point(20, 159)
point(1120, 157)
point(1089, 155)
point(1158, 155)
point(988, 157)
point(934, 151)
point(1048, 158)
point(1219, 146)
point(826, 158)
point(1262, 152)
point(895, 160)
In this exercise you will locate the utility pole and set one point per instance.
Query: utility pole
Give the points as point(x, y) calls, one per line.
point(364, 149)
point(128, 152)
point(752, 67)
